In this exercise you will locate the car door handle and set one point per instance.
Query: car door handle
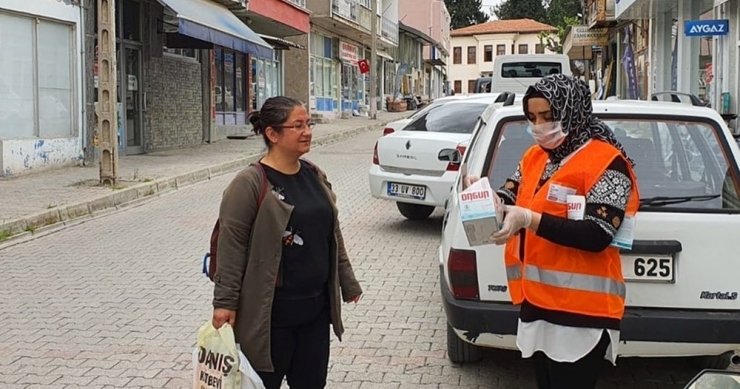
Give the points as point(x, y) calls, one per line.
point(654, 247)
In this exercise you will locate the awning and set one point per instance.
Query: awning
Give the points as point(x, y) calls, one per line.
point(209, 22)
point(435, 62)
point(385, 55)
point(414, 33)
point(280, 43)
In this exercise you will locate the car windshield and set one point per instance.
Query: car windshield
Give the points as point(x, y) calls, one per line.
point(529, 69)
point(679, 164)
point(457, 118)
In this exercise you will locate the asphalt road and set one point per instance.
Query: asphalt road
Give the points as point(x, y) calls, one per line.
point(115, 302)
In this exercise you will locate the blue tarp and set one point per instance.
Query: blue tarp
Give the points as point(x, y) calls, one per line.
point(211, 22)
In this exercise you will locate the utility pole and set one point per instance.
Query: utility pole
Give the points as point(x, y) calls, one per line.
point(374, 60)
point(107, 96)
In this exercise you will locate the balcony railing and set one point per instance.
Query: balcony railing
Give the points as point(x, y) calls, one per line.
point(300, 3)
point(389, 30)
point(346, 9)
point(364, 3)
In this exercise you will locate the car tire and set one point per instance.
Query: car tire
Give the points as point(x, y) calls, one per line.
point(717, 362)
point(415, 211)
point(460, 351)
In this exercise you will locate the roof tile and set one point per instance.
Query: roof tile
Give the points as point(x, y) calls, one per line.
point(504, 27)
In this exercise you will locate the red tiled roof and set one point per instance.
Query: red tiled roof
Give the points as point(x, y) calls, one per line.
point(504, 27)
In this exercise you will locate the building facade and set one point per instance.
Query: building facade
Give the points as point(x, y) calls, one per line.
point(42, 101)
point(474, 48)
point(436, 25)
point(340, 39)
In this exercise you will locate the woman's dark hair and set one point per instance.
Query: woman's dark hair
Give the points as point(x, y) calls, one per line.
point(274, 113)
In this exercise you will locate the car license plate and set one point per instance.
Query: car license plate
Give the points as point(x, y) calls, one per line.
point(648, 268)
point(408, 191)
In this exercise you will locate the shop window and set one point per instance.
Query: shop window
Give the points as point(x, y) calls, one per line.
point(539, 48)
point(457, 55)
point(230, 87)
point(500, 49)
point(458, 86)
point(471, 55)
point(36, 78)
point(488, 53)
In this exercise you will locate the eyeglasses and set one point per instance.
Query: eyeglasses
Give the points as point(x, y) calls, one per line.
point(299, 126)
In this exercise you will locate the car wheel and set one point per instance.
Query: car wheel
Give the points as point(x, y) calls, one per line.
point(460, 351)
point(718, 362)
point(415, 211)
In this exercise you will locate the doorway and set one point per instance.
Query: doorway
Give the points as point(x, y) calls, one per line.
point(134, 102)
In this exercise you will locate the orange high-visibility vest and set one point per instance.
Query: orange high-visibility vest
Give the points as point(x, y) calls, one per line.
point(556, 277)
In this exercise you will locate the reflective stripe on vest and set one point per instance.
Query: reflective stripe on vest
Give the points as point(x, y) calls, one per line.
point(567, 280)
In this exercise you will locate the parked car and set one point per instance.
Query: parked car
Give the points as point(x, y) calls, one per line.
point(405, 167)
point(682, 271)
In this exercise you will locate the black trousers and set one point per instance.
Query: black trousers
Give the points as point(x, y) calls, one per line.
point(581, 374)
point(299, 344)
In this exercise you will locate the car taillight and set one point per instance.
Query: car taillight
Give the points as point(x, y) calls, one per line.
point(387, 131)
point(463, 271)
point(453, 167)
point(376, 161)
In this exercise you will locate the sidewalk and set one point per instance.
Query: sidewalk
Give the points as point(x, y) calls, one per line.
point(29, 202)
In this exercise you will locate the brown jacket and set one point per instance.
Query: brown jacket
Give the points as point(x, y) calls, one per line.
point(249, 253)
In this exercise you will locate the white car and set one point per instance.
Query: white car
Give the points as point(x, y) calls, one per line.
point(406, 166)
point(399, 124)
point(683, 272)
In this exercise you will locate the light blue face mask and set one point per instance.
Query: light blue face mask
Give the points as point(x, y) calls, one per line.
point(529, 129)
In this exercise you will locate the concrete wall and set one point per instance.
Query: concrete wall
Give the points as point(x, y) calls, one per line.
point(174, 115)
point(296, 71)
point(18, 156)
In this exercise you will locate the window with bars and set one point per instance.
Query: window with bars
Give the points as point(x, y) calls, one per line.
point(523, 49)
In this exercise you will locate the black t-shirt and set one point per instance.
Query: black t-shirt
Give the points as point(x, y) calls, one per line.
point(307, 241)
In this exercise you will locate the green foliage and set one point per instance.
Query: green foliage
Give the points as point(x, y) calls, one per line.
point(556, 45)
point(521, 9)
point(464, 13)
point(560, 10)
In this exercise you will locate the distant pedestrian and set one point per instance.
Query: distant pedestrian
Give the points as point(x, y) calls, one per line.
point(283, 269)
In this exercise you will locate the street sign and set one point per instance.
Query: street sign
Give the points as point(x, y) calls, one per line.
point(706, 27)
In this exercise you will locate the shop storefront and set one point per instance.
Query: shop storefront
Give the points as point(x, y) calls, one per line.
point(324, 76)
point(267, 79)
point(353, 82)
point(41, 91)
point(231, 91)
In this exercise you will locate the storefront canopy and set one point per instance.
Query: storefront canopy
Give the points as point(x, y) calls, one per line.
point(209, 22)
point(280, 43)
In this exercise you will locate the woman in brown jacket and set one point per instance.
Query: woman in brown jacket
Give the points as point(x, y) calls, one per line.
point(282, 266)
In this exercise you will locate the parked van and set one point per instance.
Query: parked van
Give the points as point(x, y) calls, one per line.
point(516, 72)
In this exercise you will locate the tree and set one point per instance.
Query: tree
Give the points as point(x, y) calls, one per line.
point(557, 45)
point(559, 10)
point(521, 9)
point(465, 13)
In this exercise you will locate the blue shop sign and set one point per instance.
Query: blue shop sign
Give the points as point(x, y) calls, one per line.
point(706, 27)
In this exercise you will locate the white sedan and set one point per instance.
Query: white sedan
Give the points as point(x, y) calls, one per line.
point(406, 165)
point(398, 125)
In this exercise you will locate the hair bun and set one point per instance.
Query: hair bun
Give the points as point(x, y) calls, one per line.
point(256, 122)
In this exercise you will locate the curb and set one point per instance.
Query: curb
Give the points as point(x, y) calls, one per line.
point(68, 214)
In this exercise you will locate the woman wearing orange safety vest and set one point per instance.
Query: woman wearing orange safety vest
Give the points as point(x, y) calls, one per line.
point(564, 268)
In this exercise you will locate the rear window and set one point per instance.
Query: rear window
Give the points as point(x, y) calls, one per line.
point(459, 118)
point(673, 159)
point(530, 69)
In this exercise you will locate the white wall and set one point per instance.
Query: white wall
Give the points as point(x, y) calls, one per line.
point(21, 155)
point(465, 72)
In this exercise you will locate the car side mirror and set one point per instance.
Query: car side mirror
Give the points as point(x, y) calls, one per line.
point(715, 379)
point(449, 155)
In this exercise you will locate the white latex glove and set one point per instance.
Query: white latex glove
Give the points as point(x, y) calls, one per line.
point(515, 218)
point(469, 180)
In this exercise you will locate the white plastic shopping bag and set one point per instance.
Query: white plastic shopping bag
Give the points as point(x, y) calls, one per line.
point(218, 363)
